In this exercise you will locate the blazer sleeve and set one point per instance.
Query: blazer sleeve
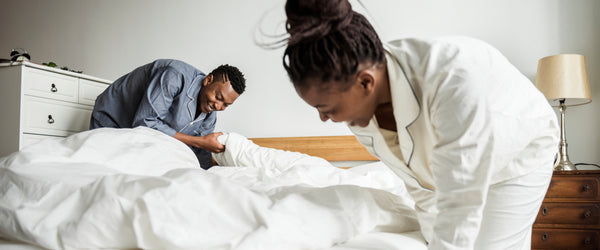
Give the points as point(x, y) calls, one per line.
point(462, 159)
point(154, 107)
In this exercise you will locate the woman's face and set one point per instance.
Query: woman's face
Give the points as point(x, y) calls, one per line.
point(355, 105)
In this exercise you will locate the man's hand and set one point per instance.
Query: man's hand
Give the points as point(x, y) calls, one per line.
point(212, 144)
point(207, 142)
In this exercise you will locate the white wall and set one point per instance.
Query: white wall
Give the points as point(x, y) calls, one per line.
point(109, 38)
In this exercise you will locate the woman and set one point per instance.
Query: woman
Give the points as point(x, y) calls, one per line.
point(472, 137)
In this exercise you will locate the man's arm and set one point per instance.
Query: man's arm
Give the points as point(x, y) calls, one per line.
point(155, 105)
point(208, 142)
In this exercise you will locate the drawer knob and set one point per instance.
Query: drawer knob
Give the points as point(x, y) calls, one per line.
point(587, 214)
point(50, 119)
point(587, 241)
point(53, 88)
point(586, 187)
point(544, 211)
point(544, 236)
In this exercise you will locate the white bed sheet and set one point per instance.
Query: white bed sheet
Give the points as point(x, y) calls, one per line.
point(138, 188)
point(369, 241)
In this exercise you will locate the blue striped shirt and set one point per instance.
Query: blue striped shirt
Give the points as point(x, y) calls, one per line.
point(162, 95)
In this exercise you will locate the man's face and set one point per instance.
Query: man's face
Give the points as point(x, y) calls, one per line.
point(216, 95)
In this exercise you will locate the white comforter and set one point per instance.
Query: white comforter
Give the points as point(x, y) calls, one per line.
point(138, 188)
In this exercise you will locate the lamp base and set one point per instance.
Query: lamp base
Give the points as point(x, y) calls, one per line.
point(563, 163)
point(564, 166)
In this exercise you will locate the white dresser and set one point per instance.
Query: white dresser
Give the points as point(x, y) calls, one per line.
point(39, 102)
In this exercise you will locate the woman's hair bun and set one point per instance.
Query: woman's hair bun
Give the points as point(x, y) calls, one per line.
point(313, 19)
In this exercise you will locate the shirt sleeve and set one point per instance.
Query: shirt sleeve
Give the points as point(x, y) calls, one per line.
point(164, 86)
point(462, 161)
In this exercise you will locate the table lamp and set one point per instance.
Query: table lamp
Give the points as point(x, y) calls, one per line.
point(563, 80)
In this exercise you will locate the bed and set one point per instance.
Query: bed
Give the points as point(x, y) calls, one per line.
point(138, 188)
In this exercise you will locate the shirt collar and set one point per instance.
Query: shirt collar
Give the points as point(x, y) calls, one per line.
point(192, 95)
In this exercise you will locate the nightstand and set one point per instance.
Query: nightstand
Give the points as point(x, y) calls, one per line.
point(40, 102)
point(569, 217)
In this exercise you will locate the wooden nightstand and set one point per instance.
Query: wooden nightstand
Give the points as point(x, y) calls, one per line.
point(570, 214)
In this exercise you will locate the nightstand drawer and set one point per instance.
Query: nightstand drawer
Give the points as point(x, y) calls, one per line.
point(43, 116)
point(50, 85)
point(564, 239)
point(569, 214)
point(575, 187)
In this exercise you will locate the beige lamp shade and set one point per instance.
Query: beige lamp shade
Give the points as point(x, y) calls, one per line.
point(564, 77)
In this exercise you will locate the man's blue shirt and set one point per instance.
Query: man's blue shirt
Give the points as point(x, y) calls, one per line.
point(162, 95)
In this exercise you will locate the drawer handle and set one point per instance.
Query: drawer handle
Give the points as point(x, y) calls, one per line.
point(53, 88)
point(544, 211)
point(586, 187)
point(587, 214)
point(544, 236)
point(50, 119)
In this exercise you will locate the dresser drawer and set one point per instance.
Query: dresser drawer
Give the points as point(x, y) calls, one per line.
point(28, 139)
point(44, 116)
point(89, 90)
point(574, 187)
point(564, 239)
point(50, 85)
point(570, 214)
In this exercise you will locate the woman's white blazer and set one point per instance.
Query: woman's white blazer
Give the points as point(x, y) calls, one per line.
point(466, 119)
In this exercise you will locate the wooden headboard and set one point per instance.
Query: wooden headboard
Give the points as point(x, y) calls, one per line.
point(331, 148)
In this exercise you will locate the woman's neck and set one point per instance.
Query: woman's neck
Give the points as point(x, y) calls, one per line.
point(385, 110)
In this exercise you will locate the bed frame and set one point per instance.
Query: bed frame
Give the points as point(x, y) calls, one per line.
point(331, 148)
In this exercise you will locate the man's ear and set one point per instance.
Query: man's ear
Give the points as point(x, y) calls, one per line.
point(208, 80)
point(366, 79)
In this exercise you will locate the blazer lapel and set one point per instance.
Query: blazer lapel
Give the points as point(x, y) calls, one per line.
point(405, 103)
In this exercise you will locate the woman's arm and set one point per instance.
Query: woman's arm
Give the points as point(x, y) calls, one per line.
point(462, 160)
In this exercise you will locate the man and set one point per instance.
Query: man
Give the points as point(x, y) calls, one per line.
point(173, 97)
